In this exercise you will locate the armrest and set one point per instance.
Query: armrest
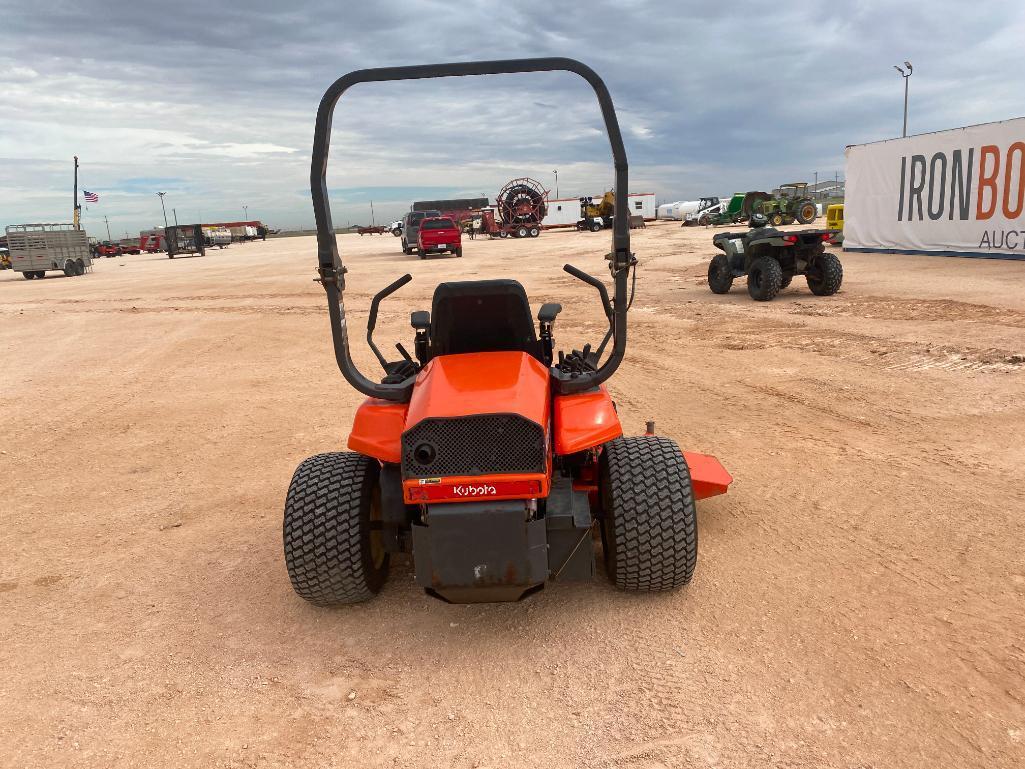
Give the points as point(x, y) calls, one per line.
point(548, 312)
point(420, 320)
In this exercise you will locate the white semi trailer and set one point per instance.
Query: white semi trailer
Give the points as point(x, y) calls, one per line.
point(40, 248)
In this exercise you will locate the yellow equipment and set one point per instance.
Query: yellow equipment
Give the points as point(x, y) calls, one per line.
point(834, 220)
point(595, 215)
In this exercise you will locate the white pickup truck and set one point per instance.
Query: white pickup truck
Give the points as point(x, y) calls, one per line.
point(39, 248)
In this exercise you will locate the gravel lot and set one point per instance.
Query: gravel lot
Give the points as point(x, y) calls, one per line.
point(859, 595)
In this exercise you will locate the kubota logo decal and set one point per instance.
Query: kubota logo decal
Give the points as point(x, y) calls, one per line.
point(474, 491)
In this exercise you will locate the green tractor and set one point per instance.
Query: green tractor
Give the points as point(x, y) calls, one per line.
point(792, 205)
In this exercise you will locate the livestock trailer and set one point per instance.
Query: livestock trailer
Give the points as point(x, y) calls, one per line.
point(39, 248)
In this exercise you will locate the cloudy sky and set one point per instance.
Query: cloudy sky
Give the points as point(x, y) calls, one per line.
point(214, 103)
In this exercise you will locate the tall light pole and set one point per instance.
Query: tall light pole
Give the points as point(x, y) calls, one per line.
point(245, 213)
point(77, 211)
point(556, 183)
point(161, 194)
point(905, 75)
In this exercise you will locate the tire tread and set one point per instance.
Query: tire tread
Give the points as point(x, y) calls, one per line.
point(324, 529)
point(650, 514)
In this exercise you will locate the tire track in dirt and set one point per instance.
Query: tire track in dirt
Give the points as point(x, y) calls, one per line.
point(724, 328)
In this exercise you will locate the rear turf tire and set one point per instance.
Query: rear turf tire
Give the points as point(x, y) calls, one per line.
point(720, 276)
point(826, 275)
point(764, 279)
point(649, 522)
point(331, 555)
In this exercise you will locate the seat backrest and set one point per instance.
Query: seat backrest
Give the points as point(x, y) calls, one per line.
point(482, 316)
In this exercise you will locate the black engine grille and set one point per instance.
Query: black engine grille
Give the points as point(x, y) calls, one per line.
point(477, 445)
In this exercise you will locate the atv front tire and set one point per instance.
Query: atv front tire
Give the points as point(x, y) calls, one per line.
point(720, 276)
point(764, 279)
point(825, 275)
point(332, 554)
point(649, 522)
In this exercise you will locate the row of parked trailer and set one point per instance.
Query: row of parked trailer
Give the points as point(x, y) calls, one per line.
point(35, 249)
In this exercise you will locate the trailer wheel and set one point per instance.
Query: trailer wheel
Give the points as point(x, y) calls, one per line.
point(503, 234)
point(595, 226)
point(825, 275)
point(764, 279)
point(720, 276)
point(649, 522)
point(535, 231)
point(522, 232)
point(28, 275)
point(40, 274)
point(79, 267)
point(333, 554)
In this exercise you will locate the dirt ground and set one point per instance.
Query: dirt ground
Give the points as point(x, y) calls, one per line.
point(860, 594)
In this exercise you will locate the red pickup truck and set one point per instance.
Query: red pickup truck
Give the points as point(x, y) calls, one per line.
point(438, 235)
point(107, 249)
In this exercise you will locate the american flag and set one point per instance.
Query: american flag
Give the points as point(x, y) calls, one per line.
point(91, 197)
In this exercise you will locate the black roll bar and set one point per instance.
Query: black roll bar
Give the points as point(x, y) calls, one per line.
point(332, 271)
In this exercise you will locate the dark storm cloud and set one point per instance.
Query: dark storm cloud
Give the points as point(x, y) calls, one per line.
point(712, 97)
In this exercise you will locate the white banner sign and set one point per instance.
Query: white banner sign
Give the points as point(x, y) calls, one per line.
point(956, 193)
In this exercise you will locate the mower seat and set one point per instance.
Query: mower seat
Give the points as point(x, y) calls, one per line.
point(482, 316)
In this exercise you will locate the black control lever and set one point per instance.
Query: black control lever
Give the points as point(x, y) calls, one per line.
point(372, 319)
point(591, 280)
point(593, 358)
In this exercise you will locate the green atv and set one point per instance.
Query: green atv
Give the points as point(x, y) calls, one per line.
point(770, 259)
point(792, 205)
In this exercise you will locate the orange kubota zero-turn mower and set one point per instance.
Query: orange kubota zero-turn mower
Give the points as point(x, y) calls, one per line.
point(484, 454)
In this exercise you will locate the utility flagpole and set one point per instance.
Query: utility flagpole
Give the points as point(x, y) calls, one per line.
point(78, 208)
point(108, 228)
point(372, 223)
